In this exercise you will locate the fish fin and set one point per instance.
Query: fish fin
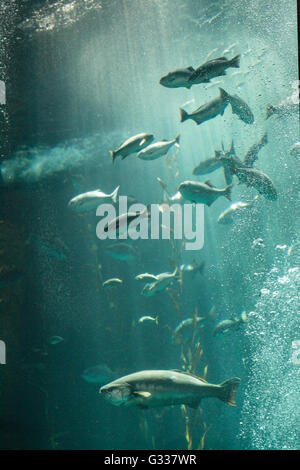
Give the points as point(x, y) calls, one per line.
point(177, 140)
point(113, 155)
point(244, 318)
point(228, 391)
point(235, 61)
point(183, 115)
point(142, 142)
point(114, 194)
point(208, 182)
point(227, 191)
point(232, 149)
point(225, 96)
point(191, 69)
point(209, 203)
point(189, 87)
point(217, 154)
point(123, 156)
point(143, 394)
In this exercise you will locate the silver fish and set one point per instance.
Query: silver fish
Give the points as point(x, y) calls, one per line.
point(163, 280)
point(213, 68)
point(209, 110)
point(148, 319)
point(146, 276)
point(121, 223)
point(209, 165)
point(235, 210)
point(90, 200)
point(203, 193)
point(112, 282)
point(226, 326)
point(158, 149)
point(132, 145)
point(154, 388)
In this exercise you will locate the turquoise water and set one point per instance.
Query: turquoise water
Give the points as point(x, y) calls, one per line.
point(81, 78)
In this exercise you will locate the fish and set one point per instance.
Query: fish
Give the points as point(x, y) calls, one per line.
point(156, 388)
point(163, 280)
point(122, 222)
point(90, 200)
point(112, 282)
point(252, 154)
point(158, 149)
point(209, 165)
point(235, 210)
point(146, 276)
point(295, 150)
point(213, 68)
point(122, 252)
point(99, 374)
point(208, 110)
point(184, 332)
point(241, 109)
point(284, 108)
point(148, 319)
point(178, 78)
point(258, 180)
point(189, 268)
point(132, 145)
point(226, 326)
point(55, 340)
point(203, 193)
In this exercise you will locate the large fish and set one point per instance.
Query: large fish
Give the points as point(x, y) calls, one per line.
point(208, 110)
point(213, 68)
point(132, 145)
point(241, 109)
point(154, 388)
point(158, 149)
point(209, 165)
point(178, 78)
point(235, 210)
point(203, 193)
point(91, 200)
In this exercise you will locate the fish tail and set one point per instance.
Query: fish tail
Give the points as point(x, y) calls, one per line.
point(114, 194)
point(177, 140)
point(227, 191)
point(235, 61)
point(264, 139)
point(244, 318)
point(228, 391)
point(183, 115)
point(113, 155)
point(224, 95)
point(156, 320)
point(270, 110)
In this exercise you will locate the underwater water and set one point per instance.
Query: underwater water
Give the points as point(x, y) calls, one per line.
point(81, 77)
